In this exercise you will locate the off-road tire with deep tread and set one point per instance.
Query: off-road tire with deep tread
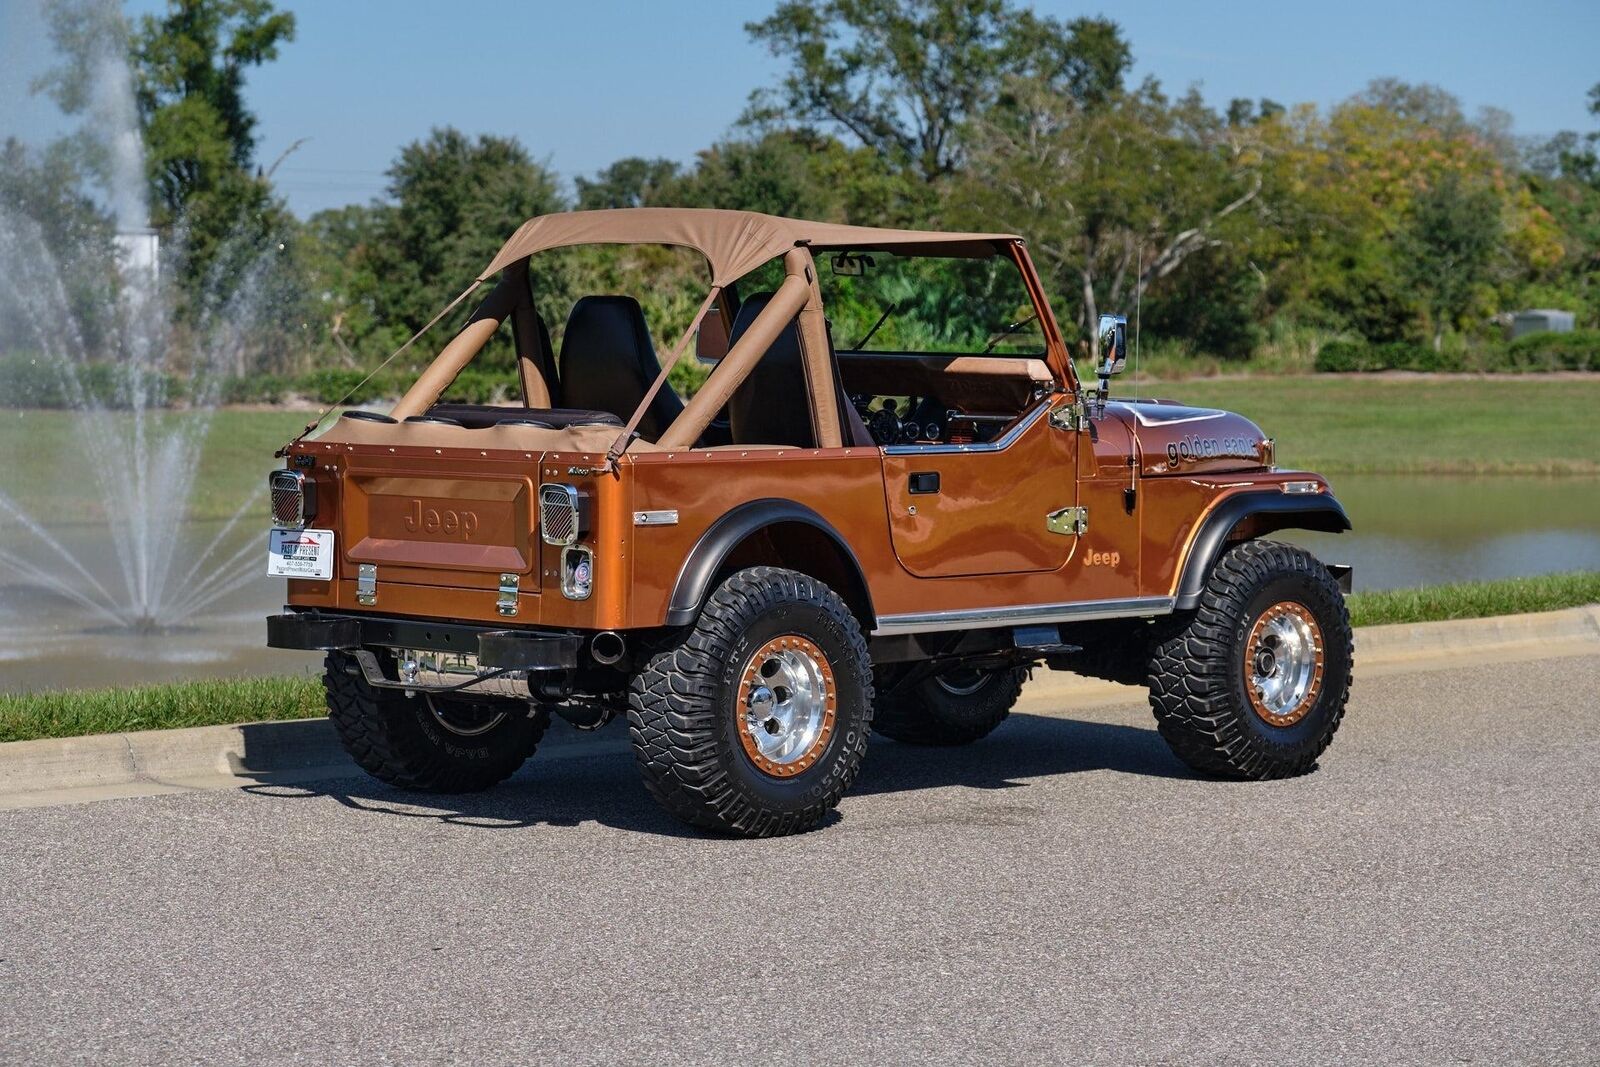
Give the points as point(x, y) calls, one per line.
point(683, 723)
point(928, 714)
point(1197, 676)
point(397, 740)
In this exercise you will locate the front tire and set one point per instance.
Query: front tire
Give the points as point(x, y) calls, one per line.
point(1255, 685)
point(954, 708)
point(755, 720)
point(434, 746)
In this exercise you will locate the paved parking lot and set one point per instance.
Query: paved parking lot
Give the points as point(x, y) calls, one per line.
point(1063, 891)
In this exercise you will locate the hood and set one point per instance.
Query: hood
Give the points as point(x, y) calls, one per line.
point(1177, 439)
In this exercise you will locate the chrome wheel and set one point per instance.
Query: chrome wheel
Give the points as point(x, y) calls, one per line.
point(1283, 662)
point(463, 720)
point(786, 705)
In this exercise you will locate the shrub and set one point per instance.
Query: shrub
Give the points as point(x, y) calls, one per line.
point(1345, 357)
point(1578, 350)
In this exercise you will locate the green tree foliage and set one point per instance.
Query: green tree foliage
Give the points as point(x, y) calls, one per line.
point(190, 64)
point(1114, 197)
point(453, 201)
point(904, 76)
point(1449, 246)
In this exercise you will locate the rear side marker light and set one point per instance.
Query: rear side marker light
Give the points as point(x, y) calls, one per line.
point(562, 514)
point(294, 498)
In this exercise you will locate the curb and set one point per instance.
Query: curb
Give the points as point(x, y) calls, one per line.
point(153, 762)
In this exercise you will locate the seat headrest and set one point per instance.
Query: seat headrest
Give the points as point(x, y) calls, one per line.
point(606, 328)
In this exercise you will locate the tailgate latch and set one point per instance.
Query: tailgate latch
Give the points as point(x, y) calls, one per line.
point(506, 603)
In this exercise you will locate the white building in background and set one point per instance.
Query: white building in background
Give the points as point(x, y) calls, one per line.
point(1540, 320)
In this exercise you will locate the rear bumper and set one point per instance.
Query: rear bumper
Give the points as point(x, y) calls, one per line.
point(522, 650)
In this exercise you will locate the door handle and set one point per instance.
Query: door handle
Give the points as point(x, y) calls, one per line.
point(924, 482)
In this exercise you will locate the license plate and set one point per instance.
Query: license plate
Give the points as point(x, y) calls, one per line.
point(300, 554)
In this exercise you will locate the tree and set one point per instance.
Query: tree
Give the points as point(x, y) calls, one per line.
point(190, 65)
point(1450, 243)
point(904, 77)
point(629, 182)
point(454, 200)
point(1114, 198)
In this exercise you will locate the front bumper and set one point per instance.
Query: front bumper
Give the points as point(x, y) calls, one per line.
point(518, 650)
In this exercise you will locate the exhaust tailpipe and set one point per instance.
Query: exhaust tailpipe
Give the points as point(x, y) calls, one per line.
point(608, 647)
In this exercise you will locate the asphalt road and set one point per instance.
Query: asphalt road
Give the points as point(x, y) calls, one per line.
point(1062, 892)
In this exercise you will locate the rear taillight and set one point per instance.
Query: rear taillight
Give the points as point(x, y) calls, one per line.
point(294, 498)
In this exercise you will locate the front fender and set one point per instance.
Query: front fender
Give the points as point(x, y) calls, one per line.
point(1279, 512)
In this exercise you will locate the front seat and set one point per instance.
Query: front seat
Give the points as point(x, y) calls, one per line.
point(772, 406)
point(608, 363)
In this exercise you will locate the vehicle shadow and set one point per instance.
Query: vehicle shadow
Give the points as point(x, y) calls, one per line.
point(594, 779)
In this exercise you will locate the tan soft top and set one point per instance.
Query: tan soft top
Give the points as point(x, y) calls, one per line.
point(733, 242)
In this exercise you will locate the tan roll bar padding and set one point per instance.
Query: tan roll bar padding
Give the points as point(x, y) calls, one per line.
point(736, 365)
point(813, 329)
point(433, 381)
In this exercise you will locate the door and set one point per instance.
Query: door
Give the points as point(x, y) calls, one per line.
point(982, 509)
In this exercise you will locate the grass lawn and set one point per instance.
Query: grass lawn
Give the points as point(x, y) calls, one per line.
point(158, 707)
point(45, 468)
point(74, 713)
point(1336, 424)
point(1349, 424)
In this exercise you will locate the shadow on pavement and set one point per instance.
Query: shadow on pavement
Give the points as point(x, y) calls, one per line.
point(602, 785)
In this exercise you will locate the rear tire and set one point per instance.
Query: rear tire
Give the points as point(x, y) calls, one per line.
point(1255, 685)
point(954, 708)
point(755, 720)
point(450, 746)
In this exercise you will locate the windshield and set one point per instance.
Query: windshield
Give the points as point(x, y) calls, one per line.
point(881, 302)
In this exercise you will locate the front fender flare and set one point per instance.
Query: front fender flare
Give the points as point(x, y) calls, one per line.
point(711, 550)
point(1320, 512)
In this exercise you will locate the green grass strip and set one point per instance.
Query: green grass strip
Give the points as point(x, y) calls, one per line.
point(1476, 600)
point(73, 713)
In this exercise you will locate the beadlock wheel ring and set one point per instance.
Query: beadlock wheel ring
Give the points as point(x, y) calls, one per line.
point(786, 706)
point(1283, 663)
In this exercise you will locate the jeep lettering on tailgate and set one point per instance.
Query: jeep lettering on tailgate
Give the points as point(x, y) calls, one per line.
point(450, 522)
point(891, 501)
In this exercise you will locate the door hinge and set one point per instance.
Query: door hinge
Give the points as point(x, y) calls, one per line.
point(506, 603)
point(1070, 416)
point(1074, 521)
point(367, 584)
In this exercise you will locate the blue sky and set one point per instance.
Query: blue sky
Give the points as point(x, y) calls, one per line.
point(582, 84)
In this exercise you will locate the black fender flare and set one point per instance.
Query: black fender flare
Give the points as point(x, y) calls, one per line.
point(1321, 512)
point(724, 535)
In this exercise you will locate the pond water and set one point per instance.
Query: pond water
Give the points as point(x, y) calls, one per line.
point(1409, 530)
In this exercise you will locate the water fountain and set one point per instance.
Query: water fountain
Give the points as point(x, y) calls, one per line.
point(136, 443)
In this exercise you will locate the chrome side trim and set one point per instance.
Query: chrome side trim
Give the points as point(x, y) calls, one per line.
point(1004, 441)
point(984, 618)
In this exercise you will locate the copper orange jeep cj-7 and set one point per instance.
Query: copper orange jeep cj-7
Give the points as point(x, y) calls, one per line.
point(890, 501)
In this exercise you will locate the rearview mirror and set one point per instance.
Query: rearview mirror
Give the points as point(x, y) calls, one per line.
point(1113, 332)
point(852, 264)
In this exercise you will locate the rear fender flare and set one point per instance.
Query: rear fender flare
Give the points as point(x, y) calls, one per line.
point(709, 553)
point(1282, 512)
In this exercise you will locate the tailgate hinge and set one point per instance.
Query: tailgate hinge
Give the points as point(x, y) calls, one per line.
point(367, 584)
point(1072, 521)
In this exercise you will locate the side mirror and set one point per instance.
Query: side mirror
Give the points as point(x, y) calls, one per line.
point(1113, 345)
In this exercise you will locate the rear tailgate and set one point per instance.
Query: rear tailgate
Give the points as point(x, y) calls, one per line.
point(464, 529)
